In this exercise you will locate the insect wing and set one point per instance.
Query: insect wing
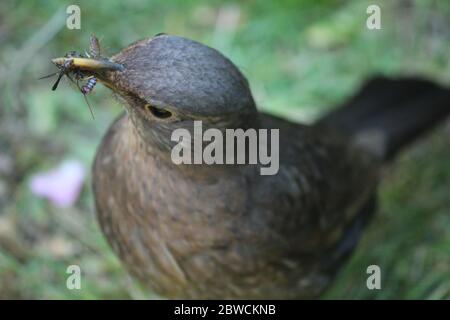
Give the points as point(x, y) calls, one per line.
point(94, 46)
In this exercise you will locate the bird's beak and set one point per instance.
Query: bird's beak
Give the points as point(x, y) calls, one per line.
point(93, 65)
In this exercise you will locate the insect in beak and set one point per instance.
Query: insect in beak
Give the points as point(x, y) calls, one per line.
point(82, 70)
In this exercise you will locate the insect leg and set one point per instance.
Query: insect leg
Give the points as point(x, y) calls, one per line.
point(84, 95)
point(48, 76)
point(61, 73)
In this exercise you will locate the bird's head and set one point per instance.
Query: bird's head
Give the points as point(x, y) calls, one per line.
point(167, 82)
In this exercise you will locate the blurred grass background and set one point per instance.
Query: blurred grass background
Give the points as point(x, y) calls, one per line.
point(301, 58)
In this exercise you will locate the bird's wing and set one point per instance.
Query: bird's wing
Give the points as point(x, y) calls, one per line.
point(322, 187)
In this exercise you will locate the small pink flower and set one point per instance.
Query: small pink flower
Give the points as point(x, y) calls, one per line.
point(62, 185)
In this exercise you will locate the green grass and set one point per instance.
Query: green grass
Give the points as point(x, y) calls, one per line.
point(301, 58)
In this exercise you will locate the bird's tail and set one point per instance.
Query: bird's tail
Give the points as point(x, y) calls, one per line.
point(387, 114)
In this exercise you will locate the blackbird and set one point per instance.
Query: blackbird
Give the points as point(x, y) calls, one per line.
point(226, 231)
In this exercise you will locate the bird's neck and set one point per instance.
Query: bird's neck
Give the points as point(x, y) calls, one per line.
point(152, 145)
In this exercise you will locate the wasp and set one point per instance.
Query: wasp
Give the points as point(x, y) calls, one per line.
point(79, 67)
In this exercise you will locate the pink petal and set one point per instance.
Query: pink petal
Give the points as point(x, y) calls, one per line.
point(62, 185)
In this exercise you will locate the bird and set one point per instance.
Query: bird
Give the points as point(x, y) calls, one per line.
point(225, 231)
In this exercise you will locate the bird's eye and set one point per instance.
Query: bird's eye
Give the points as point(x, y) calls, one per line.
point(158, 112)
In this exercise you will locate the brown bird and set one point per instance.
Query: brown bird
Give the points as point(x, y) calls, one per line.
point(226, 231)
